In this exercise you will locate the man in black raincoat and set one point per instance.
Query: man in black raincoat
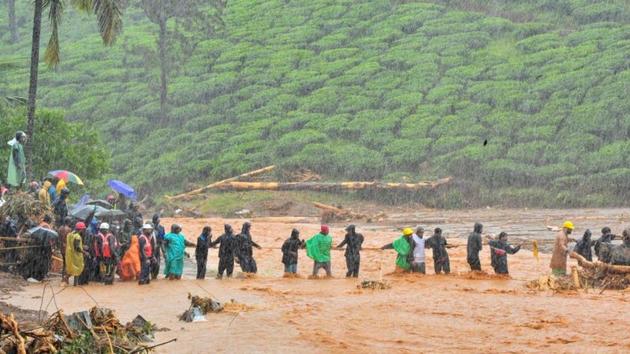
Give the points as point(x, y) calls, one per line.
point(474, 246)
point(60, 208)
point(226, 251)
point(290, 249)
point(244, 251)
point(605, 240)
point(583, 246)
point(353, 242)
point(136, 218)
point(499, 249)
point(201, 251)
point(437, 243)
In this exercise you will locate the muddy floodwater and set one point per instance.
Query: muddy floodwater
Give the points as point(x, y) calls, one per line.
point(455, 313)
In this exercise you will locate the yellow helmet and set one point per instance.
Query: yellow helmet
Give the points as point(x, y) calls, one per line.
point(407, 232)
point(568, 225)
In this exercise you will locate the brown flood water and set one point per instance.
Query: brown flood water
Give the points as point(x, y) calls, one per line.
point(418, 314)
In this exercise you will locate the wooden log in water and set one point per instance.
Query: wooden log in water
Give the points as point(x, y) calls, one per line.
point(583, 262)
point(327, 186)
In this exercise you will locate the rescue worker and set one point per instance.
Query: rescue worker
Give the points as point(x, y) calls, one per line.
point(620, 255)
point(158, 233)
point(558, 262)
point(418, 264)
point(175, 245)
point(244, 249)
point(290, 249)
point(499, 249)
point(146, 254)
point(227, 245)
point(105, 252)
point(318, 249)
point(43, 195)
point(583, 246)
point(75, 253)
point(353, 242)
point(403, 246)
point(16, 173)
point(136, 217)
point(441, 261)
point(473, 247)
point(606, 238)
point(60, 208)
point(63, 232)
point(201, 251)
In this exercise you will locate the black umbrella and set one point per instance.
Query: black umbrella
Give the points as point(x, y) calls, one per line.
point(83, 212)
point(43, 234)
point(100, 202)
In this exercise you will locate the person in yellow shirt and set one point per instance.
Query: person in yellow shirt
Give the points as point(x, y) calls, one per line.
point(44, 197)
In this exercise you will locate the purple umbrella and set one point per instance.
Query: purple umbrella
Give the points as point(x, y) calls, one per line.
point(122, 188)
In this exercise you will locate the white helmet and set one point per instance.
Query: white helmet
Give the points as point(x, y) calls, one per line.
point(104, 226)
point(147, 227)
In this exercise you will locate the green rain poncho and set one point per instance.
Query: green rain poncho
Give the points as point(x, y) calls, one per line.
point(401, 245)
point(175, 247)
point(318, 248)
point(74, 258)
point(16, 173)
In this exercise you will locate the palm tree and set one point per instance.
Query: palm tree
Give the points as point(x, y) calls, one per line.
point(109, 19)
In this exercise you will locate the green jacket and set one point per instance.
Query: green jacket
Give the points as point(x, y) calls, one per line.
point(16, 175)
point(318, 248)
point(402, 246)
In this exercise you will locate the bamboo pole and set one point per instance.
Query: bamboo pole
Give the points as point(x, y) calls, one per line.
point(215, 184)
point(583, 262)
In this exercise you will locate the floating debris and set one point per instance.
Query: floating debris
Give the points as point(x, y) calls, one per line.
point(374, 285)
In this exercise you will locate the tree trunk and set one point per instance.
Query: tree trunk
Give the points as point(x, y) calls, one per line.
point(32, 89)
point(12, 21)
point(328, 186)
point(163, 65)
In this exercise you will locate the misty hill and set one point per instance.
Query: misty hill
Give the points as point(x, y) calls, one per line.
point(523, 102)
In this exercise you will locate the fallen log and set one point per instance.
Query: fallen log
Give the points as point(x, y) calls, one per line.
point(215, 184)
point(583, 262)
point(326, 186)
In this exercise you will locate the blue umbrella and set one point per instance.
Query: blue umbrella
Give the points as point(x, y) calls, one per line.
point(122, 188)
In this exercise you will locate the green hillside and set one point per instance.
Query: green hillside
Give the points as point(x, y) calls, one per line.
point(363, 90)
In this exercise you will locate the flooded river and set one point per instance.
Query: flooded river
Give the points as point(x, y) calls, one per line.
point(455, 313)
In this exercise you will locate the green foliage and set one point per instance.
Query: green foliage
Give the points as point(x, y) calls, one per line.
point(363, 90)
point(60, 145)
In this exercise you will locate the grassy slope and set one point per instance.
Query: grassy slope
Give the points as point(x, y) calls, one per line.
point(367, 89)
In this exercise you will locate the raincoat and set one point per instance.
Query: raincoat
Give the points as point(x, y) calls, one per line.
point(402, 246)
point(175, 246)
point(560, 250)
point(130, 264)
point(318, 248)
point(44, 197)
point(74, 255)
point(16, 174)
point(60, 185)
point(473, 248)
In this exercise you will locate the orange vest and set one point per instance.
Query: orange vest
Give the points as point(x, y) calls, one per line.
point(148, 250)
point(107, 250)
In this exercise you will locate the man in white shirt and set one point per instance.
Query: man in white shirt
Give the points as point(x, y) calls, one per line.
point(417, 265)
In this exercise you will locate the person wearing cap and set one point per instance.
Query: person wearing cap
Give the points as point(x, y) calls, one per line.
point(418, 264)
point(175, 245)
point(353, 242)
point(146, 254)
point(74, 255)
point(105, 246)
point(16, 173)
point(403, 246)
point(558, 262)
point(318, 249)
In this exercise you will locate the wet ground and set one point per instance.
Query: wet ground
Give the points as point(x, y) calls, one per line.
point(429, 313)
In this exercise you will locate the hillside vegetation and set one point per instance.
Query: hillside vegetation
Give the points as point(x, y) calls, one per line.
point(364, 90)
